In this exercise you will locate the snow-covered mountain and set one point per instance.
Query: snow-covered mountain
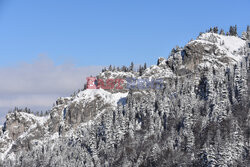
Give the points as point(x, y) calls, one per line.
point(200, 118)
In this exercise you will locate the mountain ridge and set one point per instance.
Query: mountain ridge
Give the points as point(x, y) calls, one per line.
point(205, 123)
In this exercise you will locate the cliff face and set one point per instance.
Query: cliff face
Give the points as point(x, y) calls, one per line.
point(200, 118)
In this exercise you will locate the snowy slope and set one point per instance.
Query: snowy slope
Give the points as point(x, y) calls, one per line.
point(203, 124)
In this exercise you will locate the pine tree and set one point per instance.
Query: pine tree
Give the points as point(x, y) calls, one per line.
point(104, 69)
point(215, 30)
point(233, 30)
point(145, 66)
point(140, 70)
point(113, 69)
point(110, 68)
point(85, 86)
point(222, 32)
point(41, 113)
point(124, 69)
point(173, 51)
point(158, 62)
point(210, 30)
point(131, 68)
point(26, 109)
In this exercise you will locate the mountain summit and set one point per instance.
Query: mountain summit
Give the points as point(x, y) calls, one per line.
point(199, 118)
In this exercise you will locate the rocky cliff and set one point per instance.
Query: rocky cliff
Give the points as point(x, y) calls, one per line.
point(200, 117)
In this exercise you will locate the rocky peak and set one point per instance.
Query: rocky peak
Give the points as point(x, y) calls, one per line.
point(19, 122)
point(201, 117)
point(208, 49)
point(161, 61)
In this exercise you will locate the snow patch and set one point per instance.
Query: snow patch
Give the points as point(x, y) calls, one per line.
point(41, 120)
point(91, 94)
point(230, 46)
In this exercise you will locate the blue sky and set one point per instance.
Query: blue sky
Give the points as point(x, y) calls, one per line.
point(103, 32)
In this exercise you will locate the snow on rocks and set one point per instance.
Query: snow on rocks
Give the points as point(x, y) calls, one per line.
point(230, 46)
point(199, 125)
point(90, 95)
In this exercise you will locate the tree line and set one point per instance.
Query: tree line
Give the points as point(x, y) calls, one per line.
point(232, 31)
point(130, 68)
point(29, 111)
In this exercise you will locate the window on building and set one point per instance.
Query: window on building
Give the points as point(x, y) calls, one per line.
point(249, 45)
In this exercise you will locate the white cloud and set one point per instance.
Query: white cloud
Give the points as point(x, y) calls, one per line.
point(39, 84)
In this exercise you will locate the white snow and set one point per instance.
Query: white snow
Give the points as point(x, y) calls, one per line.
point(91, 94)
point(205, 64)
point(54, 136)
point(232, 43)
point(29, 118)
point(41, 120)
point(3, 155)
point(116, 74)
point(157, 72)
point(229, 45)
point(28, 131)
